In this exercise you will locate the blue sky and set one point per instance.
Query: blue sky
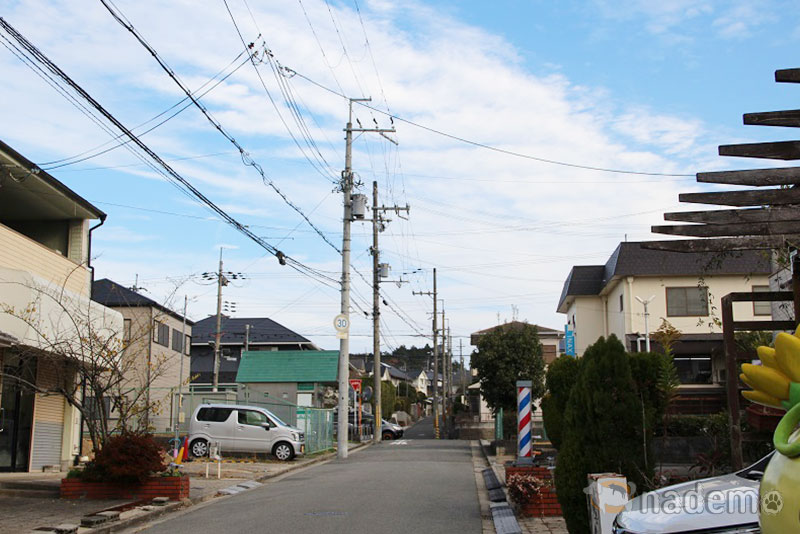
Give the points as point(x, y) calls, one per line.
point(632, 84)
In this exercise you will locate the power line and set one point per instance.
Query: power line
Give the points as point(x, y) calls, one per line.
point(246, 158)
point(490, 147)
point(172, 174)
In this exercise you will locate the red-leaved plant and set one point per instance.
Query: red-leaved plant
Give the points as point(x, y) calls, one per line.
point(523, 488)
point(128, 458)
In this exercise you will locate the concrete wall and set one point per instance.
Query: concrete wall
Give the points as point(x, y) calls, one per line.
point(587, 314)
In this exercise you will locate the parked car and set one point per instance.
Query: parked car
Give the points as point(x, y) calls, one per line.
point(390, 430)
point(239, 428)
point(691, 507)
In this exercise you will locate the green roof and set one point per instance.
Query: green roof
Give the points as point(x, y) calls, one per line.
point(288, 366)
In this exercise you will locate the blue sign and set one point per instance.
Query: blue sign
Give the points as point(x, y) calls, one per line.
point(569, 341)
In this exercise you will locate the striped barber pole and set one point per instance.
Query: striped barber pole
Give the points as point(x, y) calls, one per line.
point(524, 421)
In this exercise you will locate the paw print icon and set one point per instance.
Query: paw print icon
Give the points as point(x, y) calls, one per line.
point(772, 503)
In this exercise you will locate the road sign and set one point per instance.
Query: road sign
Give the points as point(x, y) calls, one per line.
point(355, 383)
point(341, 323)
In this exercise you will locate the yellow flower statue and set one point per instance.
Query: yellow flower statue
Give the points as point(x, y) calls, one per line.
point(776, 382)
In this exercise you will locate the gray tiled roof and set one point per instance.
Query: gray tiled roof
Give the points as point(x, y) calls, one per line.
point(262, 330)
point(630, 259)
point(114, 295)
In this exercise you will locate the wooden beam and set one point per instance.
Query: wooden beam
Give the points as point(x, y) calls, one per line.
point(720, 244)
point(787, 76)
point(785, 150)
point(790, 118)
point(729, 230)
point(749, 215)
point(755, 177)
point(748, 197)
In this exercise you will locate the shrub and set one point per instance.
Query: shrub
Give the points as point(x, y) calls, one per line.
point(561, 376)
point(128, 458)
point(602, 429)
point(523, 488)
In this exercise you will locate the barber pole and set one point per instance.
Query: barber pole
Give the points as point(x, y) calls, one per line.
point(524, 449)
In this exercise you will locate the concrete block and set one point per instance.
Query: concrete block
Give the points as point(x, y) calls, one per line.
point(160, 501)
point(66, 528)
point(92, 521)
point(110, 515)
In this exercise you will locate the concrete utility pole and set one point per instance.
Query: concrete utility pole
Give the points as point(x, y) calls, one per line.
point(463, 372)
point(444, 371)
point(377, 227)
point(435, 356)
point(246, 337)
point(344, 342)
point(179, 404)
point(221, 281)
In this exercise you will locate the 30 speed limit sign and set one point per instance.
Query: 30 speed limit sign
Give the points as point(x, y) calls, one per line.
point(341, 323)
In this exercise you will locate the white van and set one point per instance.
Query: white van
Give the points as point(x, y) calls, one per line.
point(238, 428)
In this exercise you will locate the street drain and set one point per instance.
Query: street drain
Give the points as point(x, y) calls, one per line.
point(326, 514)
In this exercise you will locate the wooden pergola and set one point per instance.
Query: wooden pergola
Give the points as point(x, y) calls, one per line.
point(765, 218)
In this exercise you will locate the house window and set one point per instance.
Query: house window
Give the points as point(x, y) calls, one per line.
point(621, 303)
point(687, 301)
point(161, 333)
point(761, 308)
point(693, 369)
point(177, 340)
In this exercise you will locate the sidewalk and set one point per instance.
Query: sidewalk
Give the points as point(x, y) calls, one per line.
point(30, 501)
point(530, 525)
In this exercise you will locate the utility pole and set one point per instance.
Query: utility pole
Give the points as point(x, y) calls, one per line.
point(444, 371)
point(463, 371)
point(435, 356)
point(246, 337)
point(344, 342)
point(180, 372)
point(221, 281)
point(377, 227)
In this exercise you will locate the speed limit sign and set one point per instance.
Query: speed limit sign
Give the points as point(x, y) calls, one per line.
point(341, 323)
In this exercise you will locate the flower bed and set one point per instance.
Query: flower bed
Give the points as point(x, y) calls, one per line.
point(174, 487)
point(532, 490)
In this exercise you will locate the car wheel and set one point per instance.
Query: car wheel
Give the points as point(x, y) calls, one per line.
point(283, 451)
point(388, 435)
point(199, 448)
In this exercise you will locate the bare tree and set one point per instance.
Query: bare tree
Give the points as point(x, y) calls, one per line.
point(84, 346)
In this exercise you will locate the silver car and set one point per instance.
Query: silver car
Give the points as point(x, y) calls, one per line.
point(727, 504)
point(239, 428)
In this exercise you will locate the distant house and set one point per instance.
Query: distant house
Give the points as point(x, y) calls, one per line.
point(419, 379)
point(238, 334)
point(683, 288)
point(551, 339)
point(157, 338)
point(297, 377)
point(390, 373)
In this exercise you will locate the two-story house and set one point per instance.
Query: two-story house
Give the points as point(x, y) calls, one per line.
point(45, 287)
point(683, 288)
point(237, 335)
point(157, 342)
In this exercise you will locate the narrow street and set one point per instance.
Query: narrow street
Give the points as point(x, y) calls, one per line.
point(408, 485)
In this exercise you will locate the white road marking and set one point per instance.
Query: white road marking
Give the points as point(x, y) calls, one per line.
point(400, 442)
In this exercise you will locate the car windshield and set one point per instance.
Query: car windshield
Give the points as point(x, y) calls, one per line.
point(756, 471)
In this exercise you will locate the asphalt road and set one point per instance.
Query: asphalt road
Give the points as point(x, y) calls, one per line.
point(408, 485)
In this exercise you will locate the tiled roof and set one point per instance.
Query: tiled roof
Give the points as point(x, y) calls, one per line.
point(288, 366)
point(630, 259)
point(113, 295)
point(262, 330)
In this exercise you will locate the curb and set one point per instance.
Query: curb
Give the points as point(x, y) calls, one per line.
point(188, 503)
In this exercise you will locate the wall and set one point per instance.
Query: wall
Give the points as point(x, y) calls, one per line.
point(588, 313)
point(718, 287)
point(25, 254)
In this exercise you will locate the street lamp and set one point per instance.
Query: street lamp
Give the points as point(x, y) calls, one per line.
point(645, 302)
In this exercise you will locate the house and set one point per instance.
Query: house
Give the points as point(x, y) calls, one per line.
point(157, 342)
point(551, 339)
point(682, 288)
point(419, 379)
point(287, 377)
point(390, 374)
point(238, 334)
point(45, 288)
